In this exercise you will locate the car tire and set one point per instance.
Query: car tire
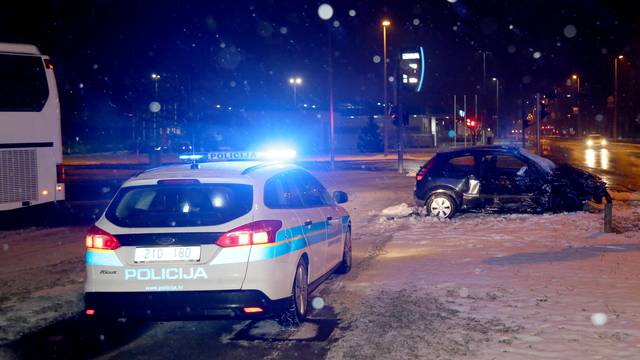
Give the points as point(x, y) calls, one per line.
point(299, 303)
point(441, 205)
point(566, 202)
point(345, 265)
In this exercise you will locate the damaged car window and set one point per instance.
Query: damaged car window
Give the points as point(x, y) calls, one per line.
point(512, 165)
point(460, 165)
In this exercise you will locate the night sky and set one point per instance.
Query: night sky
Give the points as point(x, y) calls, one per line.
point(241, 53)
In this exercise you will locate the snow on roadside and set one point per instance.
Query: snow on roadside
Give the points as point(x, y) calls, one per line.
point(490, 286)
point(41, 277)
point(397, 211)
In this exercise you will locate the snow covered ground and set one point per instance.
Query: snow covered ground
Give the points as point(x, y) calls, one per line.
point(479, 286)
point(41, 278)
point(489, 286)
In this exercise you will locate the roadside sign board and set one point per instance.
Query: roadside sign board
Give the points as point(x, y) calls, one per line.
point(412, 68)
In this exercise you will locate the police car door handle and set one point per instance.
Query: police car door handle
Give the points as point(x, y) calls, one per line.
point(308, 223)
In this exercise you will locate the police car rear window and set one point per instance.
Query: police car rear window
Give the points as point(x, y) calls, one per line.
point(180, 205)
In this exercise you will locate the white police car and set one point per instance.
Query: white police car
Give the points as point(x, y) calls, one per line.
point(221, 239)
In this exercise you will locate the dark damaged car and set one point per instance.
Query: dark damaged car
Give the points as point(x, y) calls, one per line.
point(502, 179)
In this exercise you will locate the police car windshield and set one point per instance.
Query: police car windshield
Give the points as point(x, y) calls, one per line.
point(180, 205)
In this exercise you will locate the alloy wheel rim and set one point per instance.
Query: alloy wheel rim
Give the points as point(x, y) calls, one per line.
point(440, 207)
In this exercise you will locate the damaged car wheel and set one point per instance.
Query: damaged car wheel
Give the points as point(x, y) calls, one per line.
point(441, 205)
point(568, 202)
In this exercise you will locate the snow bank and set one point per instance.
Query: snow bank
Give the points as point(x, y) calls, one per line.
point(397, 211)
point(488, 286)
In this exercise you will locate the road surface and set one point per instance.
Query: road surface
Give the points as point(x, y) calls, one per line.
point(618, 163)
point(486, 286)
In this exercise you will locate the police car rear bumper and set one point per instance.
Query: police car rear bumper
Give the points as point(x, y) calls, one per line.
point(173, 305)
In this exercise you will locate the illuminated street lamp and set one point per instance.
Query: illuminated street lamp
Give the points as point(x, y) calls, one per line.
point(155, 77)
point(295, 81)
point(385, 23)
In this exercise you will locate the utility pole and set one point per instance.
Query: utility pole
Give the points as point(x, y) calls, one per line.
point(579, 114)
point(475, 111)
point(331, 112)
point(524, 120)
point(385, 118)
point(455, 123)
point(615, 96)
point(538, 145)
point(464, 110)
point(400, 113)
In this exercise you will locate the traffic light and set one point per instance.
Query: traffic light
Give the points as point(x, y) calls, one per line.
point(395, 117)
point(472, 124)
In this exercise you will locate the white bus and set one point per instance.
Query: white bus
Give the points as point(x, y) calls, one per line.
point(31, 169)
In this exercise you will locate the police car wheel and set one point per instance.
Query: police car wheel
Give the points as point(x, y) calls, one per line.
point(298, 310)
point(345, 265)
point(441, 206)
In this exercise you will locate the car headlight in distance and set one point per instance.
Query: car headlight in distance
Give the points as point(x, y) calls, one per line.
point(603, 142)
point(589, 142)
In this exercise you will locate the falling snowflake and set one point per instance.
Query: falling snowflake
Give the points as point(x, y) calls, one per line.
point(325, 11)
point(570, 31)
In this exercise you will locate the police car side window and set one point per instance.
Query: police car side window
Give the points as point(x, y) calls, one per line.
point(279, 194)
point(312, 192)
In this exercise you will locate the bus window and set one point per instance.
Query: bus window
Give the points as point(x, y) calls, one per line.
point(23, 83)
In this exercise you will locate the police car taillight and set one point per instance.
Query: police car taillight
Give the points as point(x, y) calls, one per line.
point(255, 233)
point(99, 239)
point(424, 170)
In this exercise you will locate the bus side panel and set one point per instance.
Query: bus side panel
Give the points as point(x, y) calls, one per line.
point(30, 149)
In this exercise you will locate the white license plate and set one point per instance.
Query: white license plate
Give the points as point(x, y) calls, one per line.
point(167, 253)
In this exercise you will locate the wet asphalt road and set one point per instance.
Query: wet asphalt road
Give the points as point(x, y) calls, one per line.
point(90, 187)
point(618, 164)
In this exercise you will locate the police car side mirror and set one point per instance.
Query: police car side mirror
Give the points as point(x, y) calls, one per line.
point(340, 197)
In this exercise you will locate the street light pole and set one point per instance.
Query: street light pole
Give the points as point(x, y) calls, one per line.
point(615, 96)
point(385, 23)
point(155, 77)
point(332, 149)
point(578, 120)
point(295, 82)
point(497, 106)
